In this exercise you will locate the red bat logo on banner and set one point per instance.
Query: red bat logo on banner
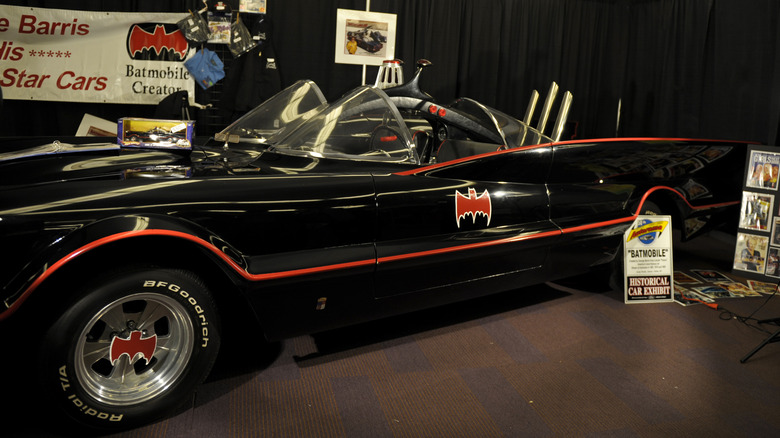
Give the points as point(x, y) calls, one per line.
point(140, 40)
point(472, 205)
point(133, 347)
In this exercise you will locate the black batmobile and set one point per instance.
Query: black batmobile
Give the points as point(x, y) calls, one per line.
point(312, 215)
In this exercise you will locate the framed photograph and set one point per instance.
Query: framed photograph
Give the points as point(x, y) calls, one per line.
point(763, 169)
point(750, 253)
point(773, 262)
point(775, 240)
point(756, 211)
point(365, 38)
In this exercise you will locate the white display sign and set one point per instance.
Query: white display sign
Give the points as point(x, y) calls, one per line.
point(87, 56)
point(649, 269)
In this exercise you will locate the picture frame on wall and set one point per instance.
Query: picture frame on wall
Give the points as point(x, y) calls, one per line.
point(364, 38)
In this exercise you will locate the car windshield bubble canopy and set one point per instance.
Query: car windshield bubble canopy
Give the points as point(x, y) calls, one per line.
point(364, 124)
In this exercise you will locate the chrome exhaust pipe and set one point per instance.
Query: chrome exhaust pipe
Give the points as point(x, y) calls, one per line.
point(547, 107)
point(529, 112)
point(563, 114)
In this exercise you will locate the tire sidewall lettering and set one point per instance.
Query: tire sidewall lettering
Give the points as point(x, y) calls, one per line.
point(57, 361)
point(79, 404)
point(180, 292)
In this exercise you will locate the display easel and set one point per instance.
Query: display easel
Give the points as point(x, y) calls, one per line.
point(774, 337)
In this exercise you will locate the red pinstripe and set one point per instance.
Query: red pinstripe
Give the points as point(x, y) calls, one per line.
point(326, 268)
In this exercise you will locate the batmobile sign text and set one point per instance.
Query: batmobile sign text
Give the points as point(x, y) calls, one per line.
point(472, 205)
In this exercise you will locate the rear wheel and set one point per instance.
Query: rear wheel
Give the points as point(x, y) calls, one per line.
point(131, 349)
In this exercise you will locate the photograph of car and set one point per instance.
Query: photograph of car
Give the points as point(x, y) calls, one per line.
point(367, 39)
point(313, 215)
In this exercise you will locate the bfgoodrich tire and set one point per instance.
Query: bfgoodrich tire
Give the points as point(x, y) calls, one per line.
point(131, 349)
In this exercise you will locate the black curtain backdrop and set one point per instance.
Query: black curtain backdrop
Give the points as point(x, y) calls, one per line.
point(703, 68)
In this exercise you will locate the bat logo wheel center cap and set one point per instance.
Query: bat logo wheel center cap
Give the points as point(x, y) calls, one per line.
point(133, 343)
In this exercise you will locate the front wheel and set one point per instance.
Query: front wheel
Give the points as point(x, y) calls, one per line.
point(131, 349)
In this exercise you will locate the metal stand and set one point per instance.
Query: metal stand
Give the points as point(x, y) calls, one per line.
point(774, 337)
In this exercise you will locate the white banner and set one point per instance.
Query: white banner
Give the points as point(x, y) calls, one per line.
point(85, 56)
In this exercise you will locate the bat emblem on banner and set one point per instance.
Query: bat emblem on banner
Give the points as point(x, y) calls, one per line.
point(472, 205)
point(135, 347)
point(157, 45)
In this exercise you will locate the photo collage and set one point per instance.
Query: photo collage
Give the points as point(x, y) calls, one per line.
point(758, 238)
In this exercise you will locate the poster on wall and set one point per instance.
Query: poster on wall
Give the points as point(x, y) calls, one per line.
point(87, 56)
point(649, 269)
point(365, 38)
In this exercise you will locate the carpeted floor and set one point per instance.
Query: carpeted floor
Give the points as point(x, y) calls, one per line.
point(562, 360)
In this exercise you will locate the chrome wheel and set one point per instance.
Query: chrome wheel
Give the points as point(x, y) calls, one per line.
point(134, 349)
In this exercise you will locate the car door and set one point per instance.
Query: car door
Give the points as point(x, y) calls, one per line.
point(477, 223)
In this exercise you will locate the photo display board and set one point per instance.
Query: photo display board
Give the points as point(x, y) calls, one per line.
point(757, 252)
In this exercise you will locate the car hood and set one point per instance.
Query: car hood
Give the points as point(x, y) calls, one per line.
point(34, 161)
point(39, 161)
